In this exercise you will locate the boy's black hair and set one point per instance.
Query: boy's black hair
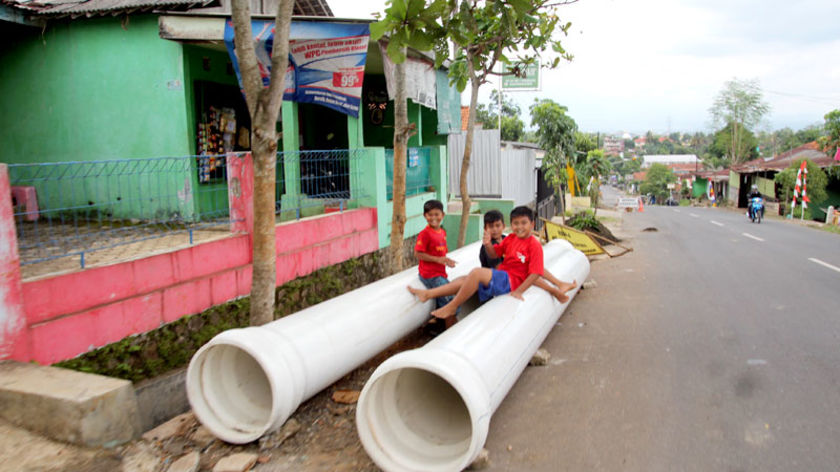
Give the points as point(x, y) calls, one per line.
point(432, 205)
point(493, 216)
point(522, 211)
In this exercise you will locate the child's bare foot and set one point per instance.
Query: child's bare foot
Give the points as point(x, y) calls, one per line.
point(419, 293)
point(444, 312)
point(566, 287)
point(559, 295)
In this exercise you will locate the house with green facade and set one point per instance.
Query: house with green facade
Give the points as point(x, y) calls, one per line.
point(762, 172)
point(150, 84)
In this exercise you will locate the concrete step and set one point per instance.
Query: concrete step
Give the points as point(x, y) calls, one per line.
point(69, 406)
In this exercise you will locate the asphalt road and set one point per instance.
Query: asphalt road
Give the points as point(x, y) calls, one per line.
point(714, 346)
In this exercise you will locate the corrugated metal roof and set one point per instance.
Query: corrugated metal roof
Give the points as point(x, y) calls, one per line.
point(312, 8)
point(103, 7)
point(98, 7)
point(810, 151)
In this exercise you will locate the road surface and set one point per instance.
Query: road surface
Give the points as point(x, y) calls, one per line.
point(714, 346)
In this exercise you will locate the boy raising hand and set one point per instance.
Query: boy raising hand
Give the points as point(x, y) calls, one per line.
point(521, 267)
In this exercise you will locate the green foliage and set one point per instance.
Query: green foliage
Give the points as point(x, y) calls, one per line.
point(817, 181)
point(583, 144)
point(486, 33)
point(412, 24)
point(685, 202)
point(831, 141)
point(656, 181)
point(584, 220)
point(722, 145)
point(513, 128)
point(556, 135)
point(739, 105)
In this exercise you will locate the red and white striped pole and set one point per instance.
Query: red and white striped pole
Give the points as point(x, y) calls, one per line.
point(801, 183)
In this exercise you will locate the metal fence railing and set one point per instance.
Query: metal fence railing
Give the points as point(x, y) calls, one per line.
point(418, 174)
point(89, 206)
point(88, 211)
point(328, 179)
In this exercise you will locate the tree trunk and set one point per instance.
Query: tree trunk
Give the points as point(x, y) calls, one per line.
point(263, 106)
point(401, 133)
point(465, 163)
point(562, 190)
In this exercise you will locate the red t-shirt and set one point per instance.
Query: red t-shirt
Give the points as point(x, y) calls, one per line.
point(523, 257)
point(432, 243)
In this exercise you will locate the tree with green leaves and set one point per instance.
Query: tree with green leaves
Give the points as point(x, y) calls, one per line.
point(831, 140)
point(583, 144)
point(263, 105)
point(817, 182)
point(512, 126)
point(741, 107)
point(656, 182)
point(486, 33)
point(721, 147)
point(556, 135)
point(408, 24)
point(597, 165)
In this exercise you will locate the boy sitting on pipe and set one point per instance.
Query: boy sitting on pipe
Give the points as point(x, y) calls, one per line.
point(494, 224)
point(430, 251)
point(521, 267)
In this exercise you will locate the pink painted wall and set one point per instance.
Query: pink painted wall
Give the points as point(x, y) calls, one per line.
point(67, 315)
point(13, 333)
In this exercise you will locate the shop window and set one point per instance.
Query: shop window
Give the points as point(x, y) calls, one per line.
point(223, 125)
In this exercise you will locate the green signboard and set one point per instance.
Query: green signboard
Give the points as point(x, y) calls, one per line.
point(531, 80)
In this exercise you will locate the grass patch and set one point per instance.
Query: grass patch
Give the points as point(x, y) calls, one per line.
point(685, 202)
point(826, 228)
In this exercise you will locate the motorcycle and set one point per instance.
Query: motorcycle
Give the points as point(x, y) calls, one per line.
point(756, 209)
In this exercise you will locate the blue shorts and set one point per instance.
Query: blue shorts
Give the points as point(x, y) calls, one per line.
point(499, 285)
point(435, 282)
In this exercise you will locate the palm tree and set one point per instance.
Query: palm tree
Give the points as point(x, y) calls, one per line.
point(594, 167)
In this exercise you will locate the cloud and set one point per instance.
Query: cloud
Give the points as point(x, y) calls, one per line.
point(658, 64)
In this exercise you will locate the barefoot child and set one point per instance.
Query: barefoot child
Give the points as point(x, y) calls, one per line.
point(430, 250)
point(494, 225)
point(521, 267)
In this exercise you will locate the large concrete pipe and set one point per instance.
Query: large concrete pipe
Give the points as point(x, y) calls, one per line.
point(246, 382)
point(429, 409)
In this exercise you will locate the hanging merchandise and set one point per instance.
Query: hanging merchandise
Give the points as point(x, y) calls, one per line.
point(216, 134)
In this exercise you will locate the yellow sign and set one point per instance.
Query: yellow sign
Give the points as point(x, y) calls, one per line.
point(580, 240)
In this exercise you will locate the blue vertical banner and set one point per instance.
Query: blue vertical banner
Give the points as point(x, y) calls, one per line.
point(326, 61)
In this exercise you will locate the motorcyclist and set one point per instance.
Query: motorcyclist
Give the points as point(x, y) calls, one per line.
point(754, 193)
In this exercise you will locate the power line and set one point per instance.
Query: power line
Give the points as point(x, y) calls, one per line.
point(832, 101)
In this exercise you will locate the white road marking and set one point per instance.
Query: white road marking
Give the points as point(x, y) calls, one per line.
point(826, 264)
point(756, 362)
point(677, 211)
point(694, 215)
point(716, 223)
point(753, 237)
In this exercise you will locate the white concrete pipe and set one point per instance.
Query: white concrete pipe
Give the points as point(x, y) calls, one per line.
point(246, 382)
point(429, 409)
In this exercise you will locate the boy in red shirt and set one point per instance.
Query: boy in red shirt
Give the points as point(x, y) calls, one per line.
point(431, 250)
point(522, 267)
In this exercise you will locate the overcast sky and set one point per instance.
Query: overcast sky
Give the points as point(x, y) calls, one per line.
point(658, 64)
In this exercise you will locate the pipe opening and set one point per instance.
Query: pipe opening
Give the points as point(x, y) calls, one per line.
point(234, 399)
point(418, 421)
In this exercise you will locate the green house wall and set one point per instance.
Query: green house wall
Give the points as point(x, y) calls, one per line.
point(99, 89)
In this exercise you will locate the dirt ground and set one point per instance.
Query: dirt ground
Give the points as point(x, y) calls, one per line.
point(326, 441)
